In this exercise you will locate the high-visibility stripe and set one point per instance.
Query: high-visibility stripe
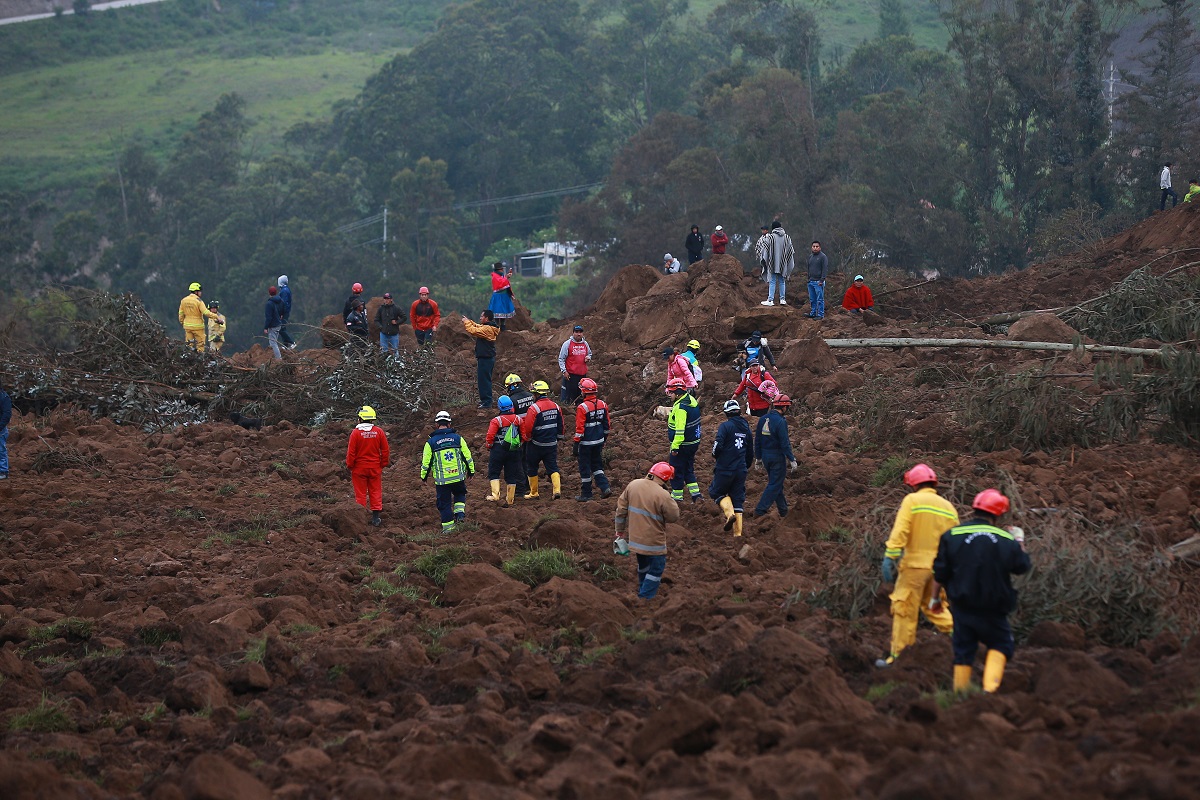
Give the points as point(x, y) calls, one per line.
point(645, 513)
point(941, 512)
point(653, 548)
point(964, 529)
point(620, 520)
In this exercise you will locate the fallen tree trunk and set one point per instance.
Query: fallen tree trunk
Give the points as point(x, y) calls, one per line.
point(993, 343)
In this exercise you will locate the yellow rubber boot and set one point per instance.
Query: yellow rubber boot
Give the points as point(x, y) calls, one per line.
point(533, 487)
point(556, 485)
point(962, 677)
point(727, 507)
point(512, 494)
point(993, 670)
point(495, 493)
point(737, 523)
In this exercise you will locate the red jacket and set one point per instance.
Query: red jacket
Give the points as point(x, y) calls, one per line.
point(498, 424)
point(426, 322)
point(857, 297)
point(368, 449)
point(749, 386)
point(500, 282)
point(719, 240)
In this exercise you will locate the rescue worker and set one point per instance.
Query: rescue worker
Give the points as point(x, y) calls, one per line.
point(643, 511)
point(773, 449)
point(192, 315)
point(366, 456)
point(908, 560)
point(678, 368)
point(751, 386)
point(355, 296)
point(975, 563)
point(592, 423)
point(216, 328)
point(424, 316)
point(733, 454)
point(683, 432)
point(522, 400)
point(484, 332)
point(504, 454)
point(573, 358)
point(543, 428)
point(447, 456)
point(692, 354)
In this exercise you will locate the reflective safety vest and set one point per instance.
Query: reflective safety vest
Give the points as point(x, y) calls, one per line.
point(591, 422)
point(544, 423)
point(446, 455)
point(683, 425)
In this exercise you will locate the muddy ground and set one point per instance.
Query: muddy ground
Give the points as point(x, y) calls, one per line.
point(204, 613)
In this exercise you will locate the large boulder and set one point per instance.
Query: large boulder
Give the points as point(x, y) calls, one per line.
point(630, 281)
point(580, 603)
point(810, 354)
point(468, 581)
point(764, 319)
point(211, 777)
point(1043, 328)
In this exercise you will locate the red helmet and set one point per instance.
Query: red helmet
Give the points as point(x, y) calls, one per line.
point(676, 385)
point(784, 401)
point(769, 390)
point(356, 288)
point(663, 471)
point(991, 502)
point(921, 473)
point(588, 386)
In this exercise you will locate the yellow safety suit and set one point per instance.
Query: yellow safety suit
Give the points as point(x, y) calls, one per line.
point(192, 313)
point(216, 333)
point(922, 519)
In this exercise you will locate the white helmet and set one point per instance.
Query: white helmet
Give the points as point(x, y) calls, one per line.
point(719, 228)
point(732, 407)
point(442, 416)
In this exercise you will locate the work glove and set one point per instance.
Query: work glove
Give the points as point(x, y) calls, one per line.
point(792, 465)
point(1018, 533)
point(890, 568)
point(674, 452)
point(575, 449)
point(620, 546)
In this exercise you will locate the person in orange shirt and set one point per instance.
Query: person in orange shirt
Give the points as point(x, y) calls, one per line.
point(366, 456)
point(424, 316)
point(858, 297)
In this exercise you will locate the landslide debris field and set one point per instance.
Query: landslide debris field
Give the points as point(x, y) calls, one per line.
point(201, 611)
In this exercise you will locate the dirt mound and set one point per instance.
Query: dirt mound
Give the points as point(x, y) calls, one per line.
point(631, 281)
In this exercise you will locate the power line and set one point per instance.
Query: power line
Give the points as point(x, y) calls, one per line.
point(516, 198)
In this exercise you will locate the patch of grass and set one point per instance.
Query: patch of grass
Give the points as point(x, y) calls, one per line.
point(383, 587)
point(108, 652)
point(837, 534)
point(411, 592)
point(880, 691)
point(227, 490)
point(607, 572)
point(421, 536)
point(158, 635)
point(155, 712)
point(538, 566)
point(256, 529)
point(57, 661)
point(948, 697)
point(592, 656)
point(257, 651)
point(336, 671)
point(47, 716)
point(435, 633)
point(299, 628)
point(70, 628)
point(436, 564)
point(891, 470)
point(373, 614)
point(186, 513)
point(634, 635)
point(245, 713)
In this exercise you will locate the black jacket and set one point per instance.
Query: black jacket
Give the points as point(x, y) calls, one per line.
point(389, 319)
point(695, 245)
point(975, 563)
point(350, 301)
point(5, 409)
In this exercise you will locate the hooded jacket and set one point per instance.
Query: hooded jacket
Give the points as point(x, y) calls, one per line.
point(285, 294)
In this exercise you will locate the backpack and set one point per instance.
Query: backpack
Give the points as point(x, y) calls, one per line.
point(512, 437)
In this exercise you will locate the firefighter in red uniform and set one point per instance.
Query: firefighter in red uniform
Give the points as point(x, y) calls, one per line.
point(503, 441)
point(591, 431)
point(542, 428)
point(366, 456)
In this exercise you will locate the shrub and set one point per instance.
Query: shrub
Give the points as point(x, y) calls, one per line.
point(538, 566)
point(890, 471)
point(436, 564)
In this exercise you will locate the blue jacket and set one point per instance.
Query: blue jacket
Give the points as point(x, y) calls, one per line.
point(5, 409)
point(274, 313)
point(734, 448)
point(285, 295)
point(771, 438)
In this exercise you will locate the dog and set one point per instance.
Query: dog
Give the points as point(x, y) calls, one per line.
point(249, 423)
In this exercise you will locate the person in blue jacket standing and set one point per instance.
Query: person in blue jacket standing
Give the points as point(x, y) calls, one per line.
point(773, 449)
point(285, 295)
point(733, 452)
point(5, 418)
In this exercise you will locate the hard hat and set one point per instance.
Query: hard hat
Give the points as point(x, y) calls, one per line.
point(783, 400)
point(693, 345)
point(991, 502)
point(356, 288)
point(588, 386)
point(541, 387)
point(442, 416)
point(662, 470)
point(214, 303)
point(921, 473)
point(769, 390)
point(676, 385)
point(732, 407)
point(366, 413)
point(512, 379)
point(719, 228)
point(423, 290)
point(504, 403)
point(195, 287)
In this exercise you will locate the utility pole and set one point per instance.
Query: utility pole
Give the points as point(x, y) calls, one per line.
point(1111, 82)
point(385, 229)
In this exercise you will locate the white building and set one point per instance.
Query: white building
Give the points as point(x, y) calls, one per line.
point(552, 258)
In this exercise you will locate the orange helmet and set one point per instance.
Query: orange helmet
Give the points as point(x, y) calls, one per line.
point(921, 473)
point(676, 385)
point(662, 470)
point(356, 288)
point(783, 401)
point(588, 386)
point(991, 502)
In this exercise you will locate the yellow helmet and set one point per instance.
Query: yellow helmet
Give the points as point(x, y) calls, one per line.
point(366, 413)
point(511, 379)
point(693, 345)
point(541, 387)
point(195, 287)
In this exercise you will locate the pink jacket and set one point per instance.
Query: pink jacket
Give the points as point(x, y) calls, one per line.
point(678, 367)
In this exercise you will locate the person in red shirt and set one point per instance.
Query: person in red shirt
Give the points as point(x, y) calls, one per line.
point(424, 316)
point(719, 241)
point(858, 297)
point(573, 358)
point(366, 456)
point(592, 424)
point(754, 377)
point(505, 456)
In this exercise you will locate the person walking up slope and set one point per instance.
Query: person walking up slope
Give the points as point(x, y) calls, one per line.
point(504, 442)
point(773, 449)
point(447, 456)
point(678, 368)
point(643, 511)
point(591, 431)
point(908, 560)
point(752, 386)
point(683, 432)
point(542, 428)
point(366, 456)
point(733, 452)
point(976, 562)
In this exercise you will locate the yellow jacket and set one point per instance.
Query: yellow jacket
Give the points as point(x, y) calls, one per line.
point(217, 327)
point(192, 312)
point(922, 519)
point(643, 511)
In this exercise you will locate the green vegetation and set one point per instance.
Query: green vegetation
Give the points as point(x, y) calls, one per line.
point(299, 629)
point(879, 691)
point(607, 572)
point(70, 628)
point(46, 717)
point(436, 564)
point(257, 650)
point(594, 655)
point(538, 566)
point(890, 471)
point(158, 635)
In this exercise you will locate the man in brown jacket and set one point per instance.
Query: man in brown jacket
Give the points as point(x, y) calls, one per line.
point(643, 511)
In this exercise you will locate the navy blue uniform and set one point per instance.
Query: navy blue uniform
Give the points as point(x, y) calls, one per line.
point(546, 429)
point(773, 447)
point(733, 452)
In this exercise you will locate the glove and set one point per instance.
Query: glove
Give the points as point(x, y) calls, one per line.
point(890, 568)
point(575, 449)
point(935, 605)
point(792, 465)
point(1018, 533)
point(674, 452)
point(620, 546)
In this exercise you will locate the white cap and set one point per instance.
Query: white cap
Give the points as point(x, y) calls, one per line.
point(858, 277)
point(719, 227)
point(667, 257)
